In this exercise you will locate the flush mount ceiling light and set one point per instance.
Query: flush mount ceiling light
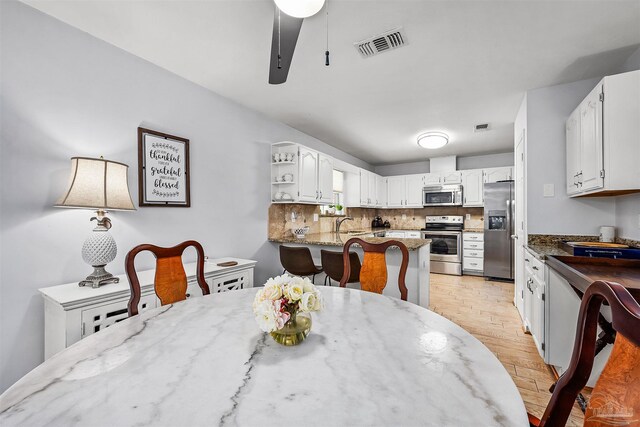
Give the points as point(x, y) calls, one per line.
point(300, 8)
point(433, 140)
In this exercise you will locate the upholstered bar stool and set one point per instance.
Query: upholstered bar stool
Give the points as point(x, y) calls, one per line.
point(298, 261)
point(333, 266)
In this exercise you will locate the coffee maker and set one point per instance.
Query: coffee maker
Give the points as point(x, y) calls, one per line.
point(377, 222)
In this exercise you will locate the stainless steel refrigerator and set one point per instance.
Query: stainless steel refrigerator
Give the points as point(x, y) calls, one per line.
point(499, 212)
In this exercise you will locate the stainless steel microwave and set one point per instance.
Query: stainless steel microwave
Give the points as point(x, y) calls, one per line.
point(442, 195)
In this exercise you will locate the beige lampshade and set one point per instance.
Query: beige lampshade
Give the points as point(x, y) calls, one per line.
point(97, 184)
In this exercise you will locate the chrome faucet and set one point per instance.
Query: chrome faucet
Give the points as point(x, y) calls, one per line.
point(339, 222)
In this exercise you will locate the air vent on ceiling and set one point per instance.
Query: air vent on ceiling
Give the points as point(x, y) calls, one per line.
point(481, 127)
point(382, 42)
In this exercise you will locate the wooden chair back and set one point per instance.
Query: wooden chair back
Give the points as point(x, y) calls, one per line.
point(170, 282)
point(373, 273)
point(615, 399)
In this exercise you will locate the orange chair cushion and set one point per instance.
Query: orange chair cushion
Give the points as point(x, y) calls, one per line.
point(171, 280)
point(373, 274)
point(615, 400)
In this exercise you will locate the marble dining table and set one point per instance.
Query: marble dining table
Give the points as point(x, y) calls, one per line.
point(369, 360)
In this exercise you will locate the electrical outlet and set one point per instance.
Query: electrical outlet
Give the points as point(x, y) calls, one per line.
point(404, 216)
point(315, 217)
point(468, 217)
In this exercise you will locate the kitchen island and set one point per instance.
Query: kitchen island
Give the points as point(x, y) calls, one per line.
point(417, 278)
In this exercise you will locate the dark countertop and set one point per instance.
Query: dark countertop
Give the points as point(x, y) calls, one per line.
point(580, 272)
point(331, 239)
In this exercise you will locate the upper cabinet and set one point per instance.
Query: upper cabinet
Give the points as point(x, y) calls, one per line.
point(473, 187)
point(436, 178)
point(395, 191)
point(300, 174)
point(498, 174)
point(308, 187)
point(413, 190)
point(405, 191)
point(603, 139)
point(325, 178)
point(381, 186)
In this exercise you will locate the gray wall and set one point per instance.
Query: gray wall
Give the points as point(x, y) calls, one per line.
point(65, 93)
point(628, 207)
point(547, 112)
point(463, 163)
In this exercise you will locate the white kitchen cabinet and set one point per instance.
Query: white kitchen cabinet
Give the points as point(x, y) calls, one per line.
point(413, 234)
point(373, 189)
point(473, 187)
point(395, 234)
point(325, 179)
point(534, 300)
point(413, 190)
point(308, 186)
point(573, 152)
point(395, 191)
point(604, 159)
point(432, 179)
point(498, 174)
point(454, 177)
point(472, 253)
point(381, 187)
point(591, 162)
point(72, 313)
point(368, 189)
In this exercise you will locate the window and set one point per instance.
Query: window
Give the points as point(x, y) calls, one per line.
point(338, 195)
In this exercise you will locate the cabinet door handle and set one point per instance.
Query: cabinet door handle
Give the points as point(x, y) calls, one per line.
point(534, 267)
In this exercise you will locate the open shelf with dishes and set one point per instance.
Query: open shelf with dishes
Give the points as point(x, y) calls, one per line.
point(284, 172)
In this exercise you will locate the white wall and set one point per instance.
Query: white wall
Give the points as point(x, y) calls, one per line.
point(462, 163)
point(65, 93)
point(547, 112)
point(628, 207)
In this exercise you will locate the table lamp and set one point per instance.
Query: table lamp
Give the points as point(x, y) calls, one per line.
point(100, 185)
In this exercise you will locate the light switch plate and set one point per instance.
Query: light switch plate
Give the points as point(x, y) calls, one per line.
point(315, 217)
point(468, 216)
point(404, 216)
point(638, 220)
point(549, 190)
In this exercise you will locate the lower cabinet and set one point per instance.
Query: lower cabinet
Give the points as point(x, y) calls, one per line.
point(472, 253)
point(72, 313)
point(534, 300)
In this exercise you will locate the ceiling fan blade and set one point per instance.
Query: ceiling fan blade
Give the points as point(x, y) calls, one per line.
point(289, 30)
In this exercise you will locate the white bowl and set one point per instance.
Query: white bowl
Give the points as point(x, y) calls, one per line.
point(300, 232)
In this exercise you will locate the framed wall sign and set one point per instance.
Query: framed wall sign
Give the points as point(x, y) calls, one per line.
point(163, 169)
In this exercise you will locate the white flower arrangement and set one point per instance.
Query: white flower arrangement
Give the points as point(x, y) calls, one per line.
point(281, 298)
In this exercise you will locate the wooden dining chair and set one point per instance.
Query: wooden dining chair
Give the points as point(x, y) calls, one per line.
point(170, 282)
point(373, 273)
point(615, 399)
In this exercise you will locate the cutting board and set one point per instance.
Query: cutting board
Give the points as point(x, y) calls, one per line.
point(598, 245)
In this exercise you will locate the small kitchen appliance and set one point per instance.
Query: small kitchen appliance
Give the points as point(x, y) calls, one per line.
point(445, 233)
point(607, 234)
point(442, 195)
point(377, 222)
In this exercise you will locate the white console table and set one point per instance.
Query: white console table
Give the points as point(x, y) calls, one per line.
point(72, 312)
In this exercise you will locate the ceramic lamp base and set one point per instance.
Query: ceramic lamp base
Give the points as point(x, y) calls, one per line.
point(99, 277)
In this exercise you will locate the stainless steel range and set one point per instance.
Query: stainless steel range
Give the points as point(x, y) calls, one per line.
point(445, 233)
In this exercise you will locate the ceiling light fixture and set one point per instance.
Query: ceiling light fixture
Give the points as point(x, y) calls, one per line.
point(300, 8)
point(433, 140)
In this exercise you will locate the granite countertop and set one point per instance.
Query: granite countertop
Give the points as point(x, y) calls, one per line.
point(544, 250)
point(331, 239)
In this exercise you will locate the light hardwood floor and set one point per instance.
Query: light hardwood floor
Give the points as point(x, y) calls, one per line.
point(485, 309)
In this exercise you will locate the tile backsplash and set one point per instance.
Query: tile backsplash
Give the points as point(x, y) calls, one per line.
point(281, 218)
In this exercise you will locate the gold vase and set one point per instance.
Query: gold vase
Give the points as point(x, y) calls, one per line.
point(294, 331)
